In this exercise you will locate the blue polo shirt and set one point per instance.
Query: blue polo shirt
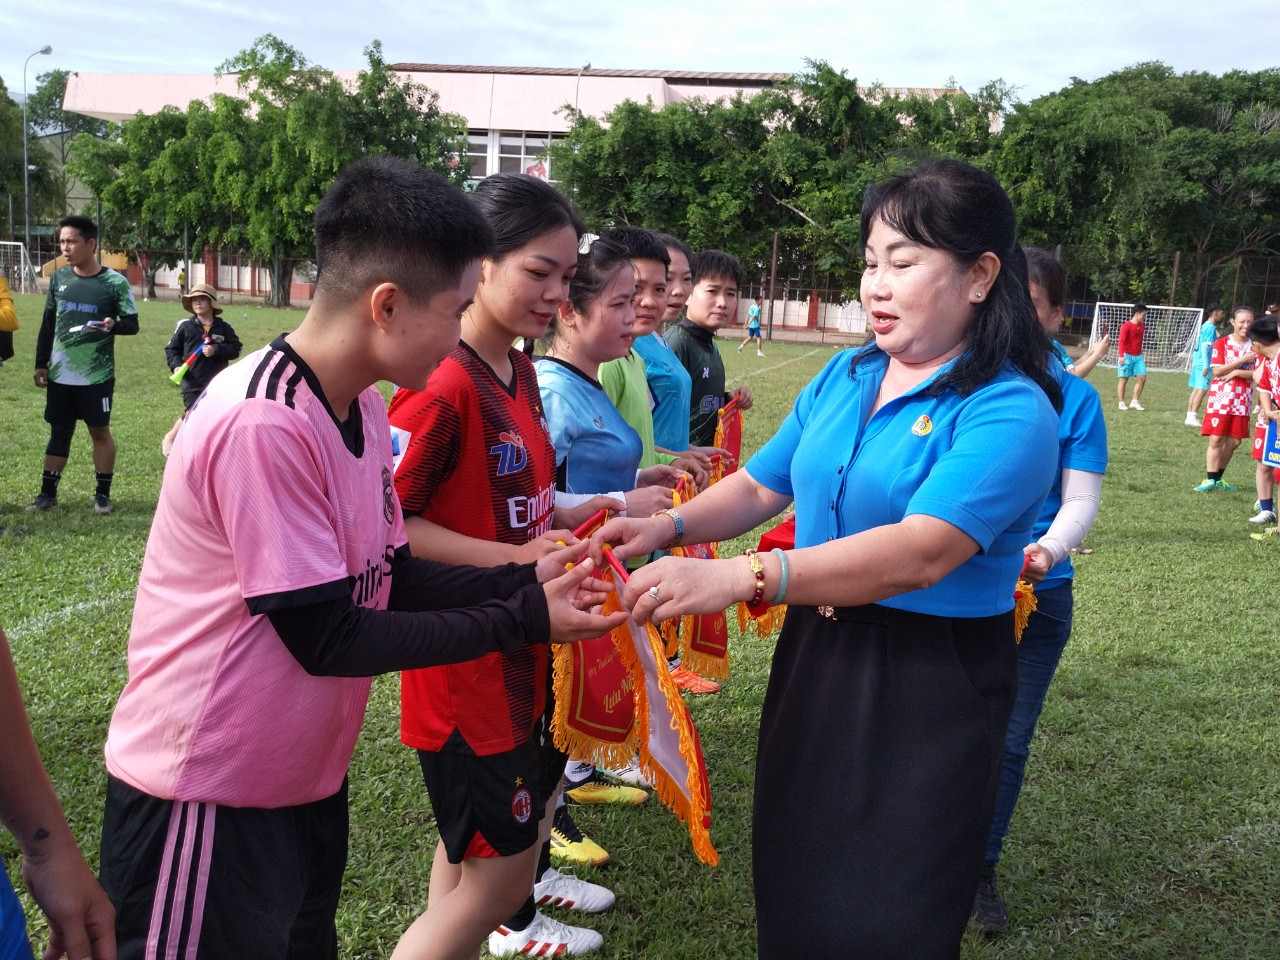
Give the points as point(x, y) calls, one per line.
point(596, 450)
point(672, 387)
point(981, 462)
point(1082, 445)
point(1060, 352)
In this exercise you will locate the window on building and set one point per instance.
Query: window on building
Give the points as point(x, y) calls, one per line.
point(509, 151)
point(478, 154)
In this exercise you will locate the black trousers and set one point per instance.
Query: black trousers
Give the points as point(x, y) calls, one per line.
point(875, 780)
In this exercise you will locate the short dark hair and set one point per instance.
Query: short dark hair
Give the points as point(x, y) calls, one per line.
point(88, 229)
point(1137, 309)
point(520, 208)
point(675, 243)
point(1273, 308)
point(639, 243)
point(1263, 330)
point(716, 264)
point(958, 208)
point(387, 220)
point(1047, 273)
point(1239, 307)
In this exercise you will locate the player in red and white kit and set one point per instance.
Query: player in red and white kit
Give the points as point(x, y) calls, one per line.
point(1226, 416)
point(476, 477)
point(1266, 343)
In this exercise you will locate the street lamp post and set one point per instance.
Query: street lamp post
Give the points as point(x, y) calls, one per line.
point(586, 66)
point(26, 173)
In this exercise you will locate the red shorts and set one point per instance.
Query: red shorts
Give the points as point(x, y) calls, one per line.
point(1225, 425)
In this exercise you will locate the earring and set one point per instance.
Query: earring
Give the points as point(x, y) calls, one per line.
point(977, 295)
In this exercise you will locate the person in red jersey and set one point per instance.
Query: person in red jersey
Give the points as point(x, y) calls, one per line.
point(475, 472)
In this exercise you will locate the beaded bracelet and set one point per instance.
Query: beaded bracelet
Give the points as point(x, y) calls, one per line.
point(757, 570)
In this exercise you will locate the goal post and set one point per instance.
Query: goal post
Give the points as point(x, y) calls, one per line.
point(16, 267)
point(1167, 341)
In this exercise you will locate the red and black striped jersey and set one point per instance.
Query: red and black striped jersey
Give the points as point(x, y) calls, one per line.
point(472, 454)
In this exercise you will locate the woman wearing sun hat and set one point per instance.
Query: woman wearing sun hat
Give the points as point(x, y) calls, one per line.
point(205, 339)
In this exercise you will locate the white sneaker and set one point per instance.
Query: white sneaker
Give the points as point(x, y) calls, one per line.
point(1123, 405)
point(1191, 420)
point(759, 354)
point(1263, 516)
point(544, 937)
point(629, 775)
point(566, 891)
point(1135, 405)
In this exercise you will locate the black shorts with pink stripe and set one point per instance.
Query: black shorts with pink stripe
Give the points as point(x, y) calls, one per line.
point(200, 881)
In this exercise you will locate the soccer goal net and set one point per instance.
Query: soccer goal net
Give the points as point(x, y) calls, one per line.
point(16, 267)
point(1167, 340)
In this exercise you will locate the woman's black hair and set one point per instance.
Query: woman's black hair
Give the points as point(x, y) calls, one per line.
point(675, 243)
point(1047, 273)
point(520, 208)
point(641, 244)
point(717, 265)
point(1263, 330)
point(596, 270)
point(953, 206)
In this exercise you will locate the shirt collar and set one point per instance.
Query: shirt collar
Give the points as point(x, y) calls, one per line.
point(701, 333)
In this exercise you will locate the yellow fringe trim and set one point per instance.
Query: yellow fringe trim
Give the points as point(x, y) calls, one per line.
point(574, 742)
point(744, 618)
point(717, 668)
point(1024, 605)
point(691, 805)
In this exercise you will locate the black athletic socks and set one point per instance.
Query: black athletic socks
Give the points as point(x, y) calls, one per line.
point(49, 483)
point(521, 919)
point(104, 484)
point(1215, 474)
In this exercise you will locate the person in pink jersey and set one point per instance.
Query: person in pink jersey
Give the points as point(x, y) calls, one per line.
point(278, 580)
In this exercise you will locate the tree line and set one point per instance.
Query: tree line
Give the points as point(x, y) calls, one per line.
point(1148, 180)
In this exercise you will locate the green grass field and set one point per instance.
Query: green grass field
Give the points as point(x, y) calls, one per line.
point(1149, 825)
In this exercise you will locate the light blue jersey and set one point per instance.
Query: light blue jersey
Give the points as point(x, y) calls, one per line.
point(672, 387)
point(596, 450)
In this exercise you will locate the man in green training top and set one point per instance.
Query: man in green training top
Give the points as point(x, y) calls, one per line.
point(89, 305)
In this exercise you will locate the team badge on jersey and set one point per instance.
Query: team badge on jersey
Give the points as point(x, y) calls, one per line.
point(521, 803)
point(388, 497)
point(923, 426)
point(511, 453)
point(598, 422)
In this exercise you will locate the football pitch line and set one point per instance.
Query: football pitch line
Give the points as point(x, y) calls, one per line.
point(778, 366)
point(38, 624)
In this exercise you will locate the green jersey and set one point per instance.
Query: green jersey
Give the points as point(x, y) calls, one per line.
point(79, 355)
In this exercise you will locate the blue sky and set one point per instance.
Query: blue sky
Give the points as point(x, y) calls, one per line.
point(1037, 45)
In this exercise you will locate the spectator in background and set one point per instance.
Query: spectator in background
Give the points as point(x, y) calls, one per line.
point(1201, 376)
point(1132, 364)
point(8, 320)
point(207, 337)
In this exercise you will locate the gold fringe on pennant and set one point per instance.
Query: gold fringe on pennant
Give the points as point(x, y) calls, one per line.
point(691, 804)
point(770, 622)
point(574, 742)
point(705, 665)
point(744, 618)
point(1024, 605)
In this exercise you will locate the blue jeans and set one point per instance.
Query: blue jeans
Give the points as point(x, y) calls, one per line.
point(1042, 644)
point(13, 925)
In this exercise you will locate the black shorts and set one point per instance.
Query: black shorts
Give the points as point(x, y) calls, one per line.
point(65, 404)
point(206, 880)
point(490, 806)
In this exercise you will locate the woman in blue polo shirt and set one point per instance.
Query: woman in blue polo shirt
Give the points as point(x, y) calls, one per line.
point(1067, 515)
point(918, 465)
